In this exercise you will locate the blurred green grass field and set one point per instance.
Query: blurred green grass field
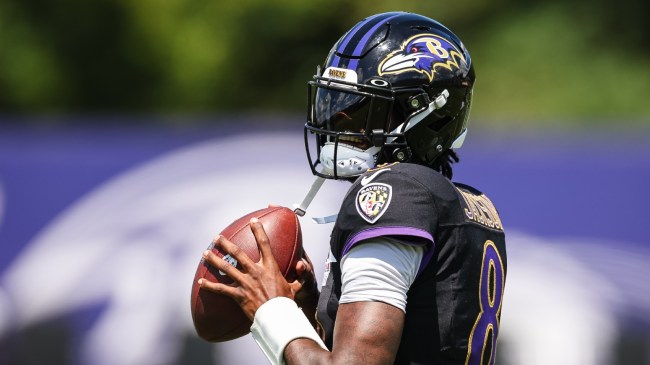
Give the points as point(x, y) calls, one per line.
point(540, 64)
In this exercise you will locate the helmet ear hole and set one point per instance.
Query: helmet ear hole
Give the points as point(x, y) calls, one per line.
point(438, 124)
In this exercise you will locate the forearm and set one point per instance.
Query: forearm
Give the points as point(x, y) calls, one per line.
point(278, 323)
point(308, 302)
point(310, 313)
point(366, 333)
point(305, 351)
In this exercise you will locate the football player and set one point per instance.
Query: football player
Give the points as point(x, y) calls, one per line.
point(417, 263)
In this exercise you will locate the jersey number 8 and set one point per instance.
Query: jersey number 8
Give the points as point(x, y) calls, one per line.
point(482, 340)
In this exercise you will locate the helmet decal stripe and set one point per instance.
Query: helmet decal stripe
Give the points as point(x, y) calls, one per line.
point(373, 21)
point(348, 37)
point(364, 40)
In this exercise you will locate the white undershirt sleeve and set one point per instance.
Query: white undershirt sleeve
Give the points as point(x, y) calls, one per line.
point(380, 269)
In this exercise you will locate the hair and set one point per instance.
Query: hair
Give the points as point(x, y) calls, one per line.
point(444, 161)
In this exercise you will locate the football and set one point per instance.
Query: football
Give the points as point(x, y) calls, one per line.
point(218, 318)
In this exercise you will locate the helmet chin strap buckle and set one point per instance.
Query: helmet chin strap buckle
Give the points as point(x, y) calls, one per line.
point(440, 100)
point(437, 103)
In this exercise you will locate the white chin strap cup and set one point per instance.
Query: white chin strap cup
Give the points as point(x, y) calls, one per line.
point(349, 160)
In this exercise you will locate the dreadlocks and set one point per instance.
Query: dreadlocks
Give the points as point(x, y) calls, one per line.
point(444, 161)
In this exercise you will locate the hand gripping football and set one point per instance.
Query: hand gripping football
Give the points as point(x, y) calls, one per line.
point(218, 318)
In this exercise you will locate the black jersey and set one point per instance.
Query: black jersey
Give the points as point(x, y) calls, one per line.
point(454, 304)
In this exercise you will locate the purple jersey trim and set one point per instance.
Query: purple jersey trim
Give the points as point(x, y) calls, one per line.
point(428, 254)
point(393, 231)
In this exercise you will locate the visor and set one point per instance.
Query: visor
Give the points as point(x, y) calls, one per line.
point(350, 123)
point(342, 107)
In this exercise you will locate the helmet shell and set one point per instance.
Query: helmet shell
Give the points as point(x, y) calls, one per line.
point(416, 60)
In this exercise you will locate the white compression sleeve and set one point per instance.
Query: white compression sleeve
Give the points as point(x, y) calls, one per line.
point(278, 322)
point(380, 269)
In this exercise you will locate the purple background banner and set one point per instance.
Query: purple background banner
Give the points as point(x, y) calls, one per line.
point(581, 196)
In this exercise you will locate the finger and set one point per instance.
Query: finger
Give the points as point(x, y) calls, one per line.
point(219, 288)
point(303, 267)
point(262, 242)
point(296, 285)
point(305, 274)
point(221, 265)
point(273, 205)
point(235, 251)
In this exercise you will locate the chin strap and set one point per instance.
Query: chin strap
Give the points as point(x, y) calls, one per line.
point(437, 103)
point(301, 209)
point(325, 220)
